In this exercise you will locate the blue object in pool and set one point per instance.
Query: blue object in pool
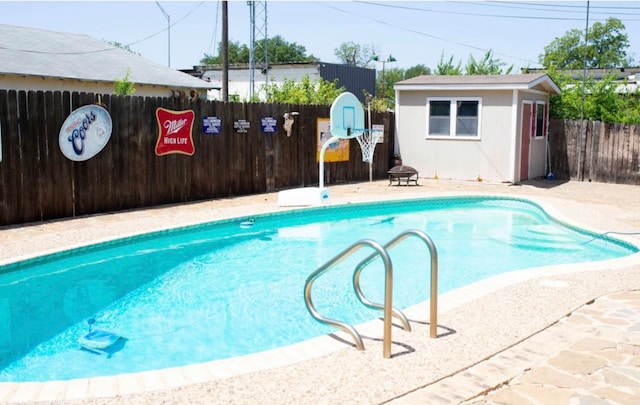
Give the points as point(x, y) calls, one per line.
point(248, 223)
point(97, 339)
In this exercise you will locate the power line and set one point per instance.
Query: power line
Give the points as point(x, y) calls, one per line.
point(109, 48)
point(430, 10)
point(431, 35)
point(554, 5)
point(172, 25)
point(212, 43)
point(577, 10)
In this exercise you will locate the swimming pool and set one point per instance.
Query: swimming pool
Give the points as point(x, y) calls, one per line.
point(219, 290)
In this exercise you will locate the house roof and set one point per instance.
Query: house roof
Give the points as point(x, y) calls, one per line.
point(630, 73)
point(479, 82)
point(34, 52)
point(258, 65)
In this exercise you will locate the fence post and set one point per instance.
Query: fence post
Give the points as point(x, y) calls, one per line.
point(594, 139)
point(582, 147)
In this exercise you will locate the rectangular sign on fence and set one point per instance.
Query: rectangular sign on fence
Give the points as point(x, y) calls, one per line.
point(338, 151)
point(211, 125)
point(268, 125)
point(241, 126)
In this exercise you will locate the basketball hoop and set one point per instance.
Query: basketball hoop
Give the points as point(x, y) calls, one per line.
point(368, 140)
point(346, 121)
point(346, 116)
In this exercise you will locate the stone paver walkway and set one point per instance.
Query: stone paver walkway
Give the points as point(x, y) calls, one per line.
point(592, 356)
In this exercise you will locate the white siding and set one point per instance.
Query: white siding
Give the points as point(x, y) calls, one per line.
point(35, 83)
point(239, 79)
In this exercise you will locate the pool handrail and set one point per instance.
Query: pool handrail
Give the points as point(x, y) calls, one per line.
point(373, 305)
point(433, 299)
point(388, 299)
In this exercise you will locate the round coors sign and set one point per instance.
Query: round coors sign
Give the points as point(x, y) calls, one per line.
point(85, 132)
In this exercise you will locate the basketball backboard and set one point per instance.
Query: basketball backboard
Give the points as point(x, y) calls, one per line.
point(346, 116)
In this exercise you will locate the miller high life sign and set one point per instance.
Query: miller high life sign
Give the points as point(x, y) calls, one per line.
point(175, 132)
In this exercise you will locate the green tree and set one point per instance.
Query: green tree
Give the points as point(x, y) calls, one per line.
point(447, 68)
point(415, 71)
point(606, 100)
point(351, 53)
point(385, 82)
point(278, 51)
point(390, 77)
point(237, 53)
point(123, 87)
point(486, 66)
point(606, 48)
point(305, 91)
point(378, 105)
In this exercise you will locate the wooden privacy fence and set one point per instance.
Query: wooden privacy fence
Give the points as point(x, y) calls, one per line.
point(37, 182)
point(595, 151)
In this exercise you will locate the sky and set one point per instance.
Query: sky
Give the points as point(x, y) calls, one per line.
point(413, 32)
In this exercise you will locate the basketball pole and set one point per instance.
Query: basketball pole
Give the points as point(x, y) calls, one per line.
point(370, 134)
point(321, 163)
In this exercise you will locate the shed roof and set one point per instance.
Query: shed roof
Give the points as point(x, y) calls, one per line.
point(480, 82)
point(34, 52)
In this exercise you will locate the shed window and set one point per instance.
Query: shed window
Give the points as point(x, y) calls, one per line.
point(541, 120)
point(457, 117)
point(439, 117)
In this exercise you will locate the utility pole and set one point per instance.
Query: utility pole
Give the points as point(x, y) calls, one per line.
point(584, 76)
point(168, 17)
point(225, 52)
point(388, 60)
point(252, 47)
point(261, 29)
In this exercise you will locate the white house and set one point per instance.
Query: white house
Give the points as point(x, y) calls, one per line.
point(625, 78)
point(355, 79)
point(491, 128)
point(35, 59)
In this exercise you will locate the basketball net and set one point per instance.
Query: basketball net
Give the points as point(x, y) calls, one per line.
point(368, 140)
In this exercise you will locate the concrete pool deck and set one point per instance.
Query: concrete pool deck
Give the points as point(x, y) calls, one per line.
point(560, 334)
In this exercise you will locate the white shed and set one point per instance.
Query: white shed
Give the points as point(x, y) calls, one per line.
point(491, 127)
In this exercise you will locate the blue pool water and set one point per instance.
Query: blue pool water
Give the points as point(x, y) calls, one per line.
point(220, 290)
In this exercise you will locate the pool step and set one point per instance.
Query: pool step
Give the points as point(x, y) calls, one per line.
point(536, 237)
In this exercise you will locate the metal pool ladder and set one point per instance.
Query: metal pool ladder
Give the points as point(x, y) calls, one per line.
point(387, 308)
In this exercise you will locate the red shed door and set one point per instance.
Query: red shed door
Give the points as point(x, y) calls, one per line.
point(525, 131)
